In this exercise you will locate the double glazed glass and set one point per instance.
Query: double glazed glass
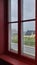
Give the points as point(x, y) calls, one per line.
point(28, 9)
point(28, 26)
point(27, 18)
point(14, 10)
point(14, 36)
point(13, 25)
point(29, 38)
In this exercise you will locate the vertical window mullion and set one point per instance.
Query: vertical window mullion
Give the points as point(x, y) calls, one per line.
point(19, 27)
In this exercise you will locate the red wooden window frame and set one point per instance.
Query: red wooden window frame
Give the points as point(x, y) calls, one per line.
point(18, 56)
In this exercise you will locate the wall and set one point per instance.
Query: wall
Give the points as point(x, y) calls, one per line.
point(1, 26)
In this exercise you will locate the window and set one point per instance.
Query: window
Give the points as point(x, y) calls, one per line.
point(22, 26)
point(28, 27)
point(13, 25)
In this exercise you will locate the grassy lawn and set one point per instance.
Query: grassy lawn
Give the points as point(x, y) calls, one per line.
point(15, 39)
point(30, 41)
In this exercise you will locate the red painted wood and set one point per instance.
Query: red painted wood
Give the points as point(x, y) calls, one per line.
point(25, 59)
point(12, 60)
point(36, 37)
point(6, 25)
point(19, 27)
point(1, 26)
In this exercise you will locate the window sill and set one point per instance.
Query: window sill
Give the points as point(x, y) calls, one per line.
point(12, 60)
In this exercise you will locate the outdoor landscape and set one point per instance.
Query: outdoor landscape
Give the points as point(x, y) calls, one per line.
point(28, 28)
point(28, 38)
point(28, 12)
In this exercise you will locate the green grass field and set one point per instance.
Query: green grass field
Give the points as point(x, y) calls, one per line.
point(27, 40)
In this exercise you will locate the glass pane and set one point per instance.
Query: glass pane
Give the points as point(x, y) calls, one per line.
point(14, 36)
point(28, 10)
point(14, 10)
point(29, 38)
